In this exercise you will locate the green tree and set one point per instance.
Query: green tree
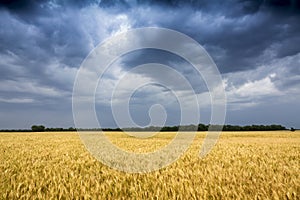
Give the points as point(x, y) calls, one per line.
point(38, 128)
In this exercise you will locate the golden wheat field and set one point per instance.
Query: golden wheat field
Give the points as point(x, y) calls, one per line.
point(243, 165)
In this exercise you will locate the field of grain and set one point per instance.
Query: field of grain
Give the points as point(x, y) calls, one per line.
point(243, 165)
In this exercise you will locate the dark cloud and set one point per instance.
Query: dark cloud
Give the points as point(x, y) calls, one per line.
point(43, 42)
point(18, 5)
point(289, 5)
point(140, 57)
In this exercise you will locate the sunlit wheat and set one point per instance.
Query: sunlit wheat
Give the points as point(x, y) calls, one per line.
point(245, 165)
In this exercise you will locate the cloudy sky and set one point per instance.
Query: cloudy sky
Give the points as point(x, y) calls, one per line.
point(255, 45)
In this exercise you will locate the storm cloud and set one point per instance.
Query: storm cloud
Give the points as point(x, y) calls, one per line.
point(255, 45)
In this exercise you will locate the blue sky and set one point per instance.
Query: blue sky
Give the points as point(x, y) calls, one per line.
point(255, 45)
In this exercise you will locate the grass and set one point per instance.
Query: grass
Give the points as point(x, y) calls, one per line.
point(243, 165)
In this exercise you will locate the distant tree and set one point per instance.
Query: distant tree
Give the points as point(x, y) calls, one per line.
point(202, 127)
point(292, 129)
point(38, 128)
point(71, 129)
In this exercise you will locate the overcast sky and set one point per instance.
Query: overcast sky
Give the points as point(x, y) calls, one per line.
point(255, 45)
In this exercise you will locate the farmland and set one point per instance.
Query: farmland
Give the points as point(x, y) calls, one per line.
point(242, 165)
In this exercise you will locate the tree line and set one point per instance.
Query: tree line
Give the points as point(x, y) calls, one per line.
point(203, 127)
point(199, 127)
